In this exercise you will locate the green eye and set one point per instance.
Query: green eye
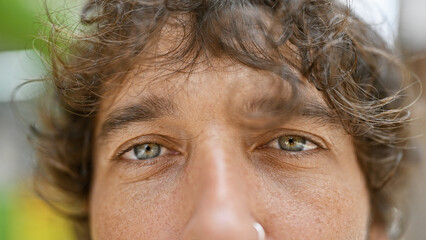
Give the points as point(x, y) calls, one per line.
point(295, 143)
point(146, 151)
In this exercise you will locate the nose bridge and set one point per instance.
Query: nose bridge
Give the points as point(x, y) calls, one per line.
point(220, 166)
point(218, 176)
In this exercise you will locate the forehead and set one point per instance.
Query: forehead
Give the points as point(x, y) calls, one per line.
point(169, 68)
point(234, 96)
point(222, 84)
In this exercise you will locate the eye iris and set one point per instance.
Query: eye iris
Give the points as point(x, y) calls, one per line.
point(147, 150)
point(292, 143)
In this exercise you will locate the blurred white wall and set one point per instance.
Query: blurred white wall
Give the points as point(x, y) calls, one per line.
point(17, 67)
point(383, 15)
point(413, 25)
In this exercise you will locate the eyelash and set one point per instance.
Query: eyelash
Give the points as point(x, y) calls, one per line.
point(149, 161)
point(166, 151)
point(276, 144)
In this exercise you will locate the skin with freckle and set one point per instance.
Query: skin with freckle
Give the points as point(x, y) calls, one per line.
point(169, 119)
point(217, 177)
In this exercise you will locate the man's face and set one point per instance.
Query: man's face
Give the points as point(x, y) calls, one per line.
point(174, 159)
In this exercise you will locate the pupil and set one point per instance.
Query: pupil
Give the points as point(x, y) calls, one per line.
point(292, 143)
point(146, 151)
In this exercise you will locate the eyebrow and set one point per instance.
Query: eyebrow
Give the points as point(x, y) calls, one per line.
point(148, 108)
point(319, 112)
point(307, 108)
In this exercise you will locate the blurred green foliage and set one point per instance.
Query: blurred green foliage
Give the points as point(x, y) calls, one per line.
point(18, 23)
point(23, 25)
point(23, 21)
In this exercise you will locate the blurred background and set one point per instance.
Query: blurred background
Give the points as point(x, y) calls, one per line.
point(23, 216)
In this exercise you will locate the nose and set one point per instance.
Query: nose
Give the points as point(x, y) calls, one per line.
point(218, 179)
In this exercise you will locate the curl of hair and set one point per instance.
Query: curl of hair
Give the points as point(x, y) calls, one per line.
point(322, 40)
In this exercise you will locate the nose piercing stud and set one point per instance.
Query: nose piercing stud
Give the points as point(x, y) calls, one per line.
point(260, 231)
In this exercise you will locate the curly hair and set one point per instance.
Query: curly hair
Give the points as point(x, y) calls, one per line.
point(357, 73)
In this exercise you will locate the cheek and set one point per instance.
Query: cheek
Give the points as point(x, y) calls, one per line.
point(141, 210)
point(318, 207)
point(331, 203)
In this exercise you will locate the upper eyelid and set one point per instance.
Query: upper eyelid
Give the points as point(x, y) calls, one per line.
point(171, 145)
point(128, 145)
point(162, 152)
point(320, 142)
point(307, 139)
point(122, 152)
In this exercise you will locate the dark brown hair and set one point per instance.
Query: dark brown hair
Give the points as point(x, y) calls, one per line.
point(321, 40)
